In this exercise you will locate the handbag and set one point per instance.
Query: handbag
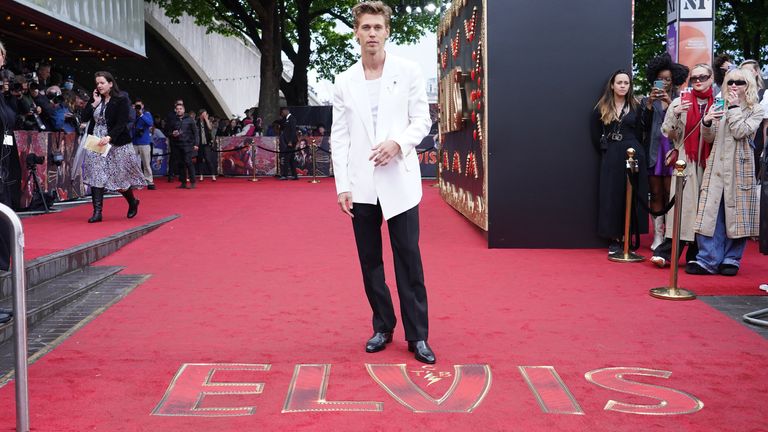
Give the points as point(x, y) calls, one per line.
point(671, 157)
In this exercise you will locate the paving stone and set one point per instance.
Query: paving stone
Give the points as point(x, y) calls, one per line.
point(736, 306)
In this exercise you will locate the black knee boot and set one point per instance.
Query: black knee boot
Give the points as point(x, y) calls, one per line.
point(97, 196)
point(133, 203)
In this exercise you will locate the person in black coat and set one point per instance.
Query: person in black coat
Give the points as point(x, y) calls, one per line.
point(10, 172)
point(288, 141)
point(184, 141)
point(616, 125)
point(120, 169)
point(205, 151)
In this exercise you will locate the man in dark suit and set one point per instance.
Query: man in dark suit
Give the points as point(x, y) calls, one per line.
point(288, 141)
point(184, 139)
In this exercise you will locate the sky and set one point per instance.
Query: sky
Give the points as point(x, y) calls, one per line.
point(424, 53)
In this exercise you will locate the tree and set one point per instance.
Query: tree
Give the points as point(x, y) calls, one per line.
point(315, 24)
point(258, 20)
point(305, 30)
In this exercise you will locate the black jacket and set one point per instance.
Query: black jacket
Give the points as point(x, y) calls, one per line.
point(116, 113)
point(288, 131)
point(188, 136)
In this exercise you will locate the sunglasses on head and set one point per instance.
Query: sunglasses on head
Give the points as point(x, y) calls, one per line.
point(700, 78)
point(737, 82)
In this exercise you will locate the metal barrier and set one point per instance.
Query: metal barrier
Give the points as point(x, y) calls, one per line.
point(19, 317)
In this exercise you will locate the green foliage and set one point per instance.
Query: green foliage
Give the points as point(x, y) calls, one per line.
point(335, 49)
point(649, 38)
point(330, 47)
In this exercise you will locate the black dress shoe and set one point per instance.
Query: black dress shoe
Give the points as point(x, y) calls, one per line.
point(151, 186)
point(283, 178)
point(182, 186)
point(695, 268)
point(728, 269)
point(422, 350)
point(378, 342)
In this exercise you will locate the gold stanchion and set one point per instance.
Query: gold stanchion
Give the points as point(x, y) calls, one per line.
point(672, 292)
point(314, 162)
point(626, 255)
point(253, 162)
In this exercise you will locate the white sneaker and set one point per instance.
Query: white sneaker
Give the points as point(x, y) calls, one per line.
point(659, 261)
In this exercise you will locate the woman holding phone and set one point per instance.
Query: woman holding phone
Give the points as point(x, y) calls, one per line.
point(682, 125)
point(728, 204)
point(665, 76)
point(120, 169)
point(616, 125)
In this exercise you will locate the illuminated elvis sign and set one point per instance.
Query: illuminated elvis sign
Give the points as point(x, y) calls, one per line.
point(230, 389)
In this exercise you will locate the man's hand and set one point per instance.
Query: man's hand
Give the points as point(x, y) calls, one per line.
point(384, 152)
point(345, 202)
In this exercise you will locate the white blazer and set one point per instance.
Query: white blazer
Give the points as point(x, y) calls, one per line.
point(403, 116)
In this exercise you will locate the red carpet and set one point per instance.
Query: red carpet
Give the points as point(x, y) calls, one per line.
point(263, 277)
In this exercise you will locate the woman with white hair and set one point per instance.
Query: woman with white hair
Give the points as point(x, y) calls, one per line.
point(728, 204)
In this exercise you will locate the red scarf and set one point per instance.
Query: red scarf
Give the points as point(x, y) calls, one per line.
point(693, 129)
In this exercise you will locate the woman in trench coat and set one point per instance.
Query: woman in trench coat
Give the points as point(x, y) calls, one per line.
point(682, 125)
point(728, 203)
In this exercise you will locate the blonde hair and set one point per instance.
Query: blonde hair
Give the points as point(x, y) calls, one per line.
point(750, 93)
point(758, 69)
point(372, 8)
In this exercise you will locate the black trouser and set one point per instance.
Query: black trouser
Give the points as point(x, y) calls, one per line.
point(664, 250)
point(287, 161)
point(409, 275)
point(184, 166)
point(204, 153)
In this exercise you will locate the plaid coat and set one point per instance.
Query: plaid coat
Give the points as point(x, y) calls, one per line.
point(730, 175)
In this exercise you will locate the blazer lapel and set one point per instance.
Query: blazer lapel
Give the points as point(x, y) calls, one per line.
point(359, 91)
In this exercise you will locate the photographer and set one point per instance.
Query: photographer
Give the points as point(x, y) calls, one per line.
point(60, 111)
point(41, 111)
point(142, 140)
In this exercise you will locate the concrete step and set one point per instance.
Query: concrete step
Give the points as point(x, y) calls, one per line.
point(48, 297)
point(48, 267)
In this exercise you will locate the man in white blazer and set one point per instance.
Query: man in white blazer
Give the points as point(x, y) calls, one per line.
point(380, 115)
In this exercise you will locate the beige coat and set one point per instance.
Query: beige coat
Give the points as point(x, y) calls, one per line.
point(730, 175)
point(674, 129)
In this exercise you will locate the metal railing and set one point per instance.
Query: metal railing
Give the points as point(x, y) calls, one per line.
point(19, 316)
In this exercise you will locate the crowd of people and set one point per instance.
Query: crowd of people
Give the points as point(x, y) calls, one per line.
point(714, 117)
point(36, 98)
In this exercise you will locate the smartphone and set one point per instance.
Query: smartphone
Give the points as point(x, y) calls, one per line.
point(719, 104)
point(658, 84)
point(685, 95)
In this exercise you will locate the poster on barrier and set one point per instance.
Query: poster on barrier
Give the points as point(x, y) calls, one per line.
point(60, 178)
point(304, 156)
point(160, 156)
point(236, 156)
point(29, 143)
point(58, 150)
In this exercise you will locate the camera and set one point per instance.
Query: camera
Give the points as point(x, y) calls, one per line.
point(138, 107)
point(33, 160)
